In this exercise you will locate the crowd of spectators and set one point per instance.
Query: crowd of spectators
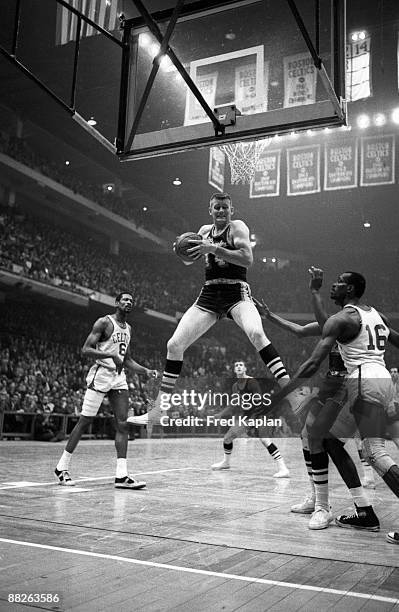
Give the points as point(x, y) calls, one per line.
point(42, 370)
point(20, 150)
point(42, 251)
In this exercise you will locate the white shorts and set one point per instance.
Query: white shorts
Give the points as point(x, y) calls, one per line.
point(372, 383)
point(102, 379)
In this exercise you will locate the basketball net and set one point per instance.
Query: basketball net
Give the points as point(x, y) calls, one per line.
point(243, 158)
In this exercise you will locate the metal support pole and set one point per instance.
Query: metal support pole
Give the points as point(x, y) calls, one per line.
point(16, 28)
point(152, 25)
point(123, 89)
point(154, 71)
point(75, 62)
point(317, 61)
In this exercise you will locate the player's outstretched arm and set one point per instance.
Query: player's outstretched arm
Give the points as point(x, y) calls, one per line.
point(315, 284)
point(301, 331)
point(331, 331)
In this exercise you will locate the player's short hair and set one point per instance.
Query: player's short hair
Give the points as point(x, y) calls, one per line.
point(240, 361)
point(220, 196)
point(119, 296)
point(358, 281)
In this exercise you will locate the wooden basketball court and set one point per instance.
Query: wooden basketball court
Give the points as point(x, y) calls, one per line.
point(192, 540)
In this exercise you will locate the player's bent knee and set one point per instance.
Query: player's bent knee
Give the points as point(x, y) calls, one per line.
point(257, 338)
point(174, 346)
point(91, 403)
point(376, 455)
point(122, 425)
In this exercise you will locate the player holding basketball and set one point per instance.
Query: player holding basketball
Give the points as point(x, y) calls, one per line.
point(109, 344)
point(361, 333)
point(247, 386)
point(225, 245)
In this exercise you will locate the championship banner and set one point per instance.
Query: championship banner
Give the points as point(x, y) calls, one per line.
point(300, 77)
point(340, 165)
point(303, 170)
point(358, 72)
point(266, 182)
point(246, 89)
point(217, 163)
point(207, 84)
point(377, 160)
point(103, 12)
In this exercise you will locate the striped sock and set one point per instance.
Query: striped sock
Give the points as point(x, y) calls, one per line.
point(272, 360)
point(274, 452)
point(308, 463)
point(228, 448)
point(319, 463)
point(170, 375)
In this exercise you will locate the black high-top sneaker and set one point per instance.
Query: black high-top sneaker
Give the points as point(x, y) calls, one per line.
point(364, 518)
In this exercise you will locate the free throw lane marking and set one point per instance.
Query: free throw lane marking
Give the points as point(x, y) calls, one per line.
point(23, 483)
point(190, 570)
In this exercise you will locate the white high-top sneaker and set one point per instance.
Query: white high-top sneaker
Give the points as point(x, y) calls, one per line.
point(283, 471)
point(320, 519)
point(222, 465)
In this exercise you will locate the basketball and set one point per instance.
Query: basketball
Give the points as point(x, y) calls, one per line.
point(183, 243)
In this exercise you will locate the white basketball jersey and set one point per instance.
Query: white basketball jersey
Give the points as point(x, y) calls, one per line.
point(116, 344)
point(369, 345)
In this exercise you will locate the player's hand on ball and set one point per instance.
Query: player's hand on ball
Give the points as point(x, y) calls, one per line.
point(201, 247)
point(183, 244)
point(263, 308)
point(316, 278)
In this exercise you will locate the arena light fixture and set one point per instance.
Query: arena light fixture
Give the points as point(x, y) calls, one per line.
point(395, 115)
point(379, 119)
point(67, 162)
point(92, 121)
point(264, 259)
point(166, 64)
point(145, 39)
point(274, 260)
point(363, 121)
point(367, 224)
point(356, 36)
point(177, 181)
point(145, 208)
point(154, 49)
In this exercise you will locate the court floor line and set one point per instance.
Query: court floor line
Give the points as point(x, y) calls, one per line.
point(24, 484)
point(190, 570)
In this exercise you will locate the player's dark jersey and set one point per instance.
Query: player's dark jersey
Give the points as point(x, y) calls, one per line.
point(246, 387)
point(216, 267)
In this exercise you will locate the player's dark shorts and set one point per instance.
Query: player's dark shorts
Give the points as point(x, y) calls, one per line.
point(333, 387)
point(221, 295)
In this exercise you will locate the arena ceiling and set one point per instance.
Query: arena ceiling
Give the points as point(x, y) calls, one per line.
point(326, 221)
